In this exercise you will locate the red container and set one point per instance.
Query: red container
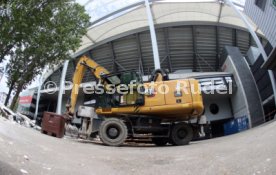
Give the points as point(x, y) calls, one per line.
point(53, 124)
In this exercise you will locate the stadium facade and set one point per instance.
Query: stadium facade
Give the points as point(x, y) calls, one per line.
point(191, 39)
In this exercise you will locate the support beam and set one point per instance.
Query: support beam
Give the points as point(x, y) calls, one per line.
point(153, 36)
point(140, 56)
point(40, 83)
point(259, 44)
point(220, 10)
point(167, 44)
point(114, 69)
point(250, 40)
point(61, 86)
point(74, 64)
point(194, 49)
point(120, 65)
point(217, 37)
point(38, 96)
point(90, 54)
point(90, 38)
point(234, 37)
point(217, 49)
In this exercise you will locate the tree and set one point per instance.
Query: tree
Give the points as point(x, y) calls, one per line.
point(36, 33)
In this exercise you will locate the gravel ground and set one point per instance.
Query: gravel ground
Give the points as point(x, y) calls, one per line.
point(26, 151)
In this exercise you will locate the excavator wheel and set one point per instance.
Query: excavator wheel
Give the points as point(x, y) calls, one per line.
point(181, 134)
point(113, 132)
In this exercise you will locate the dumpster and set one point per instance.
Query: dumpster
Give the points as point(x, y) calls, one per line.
point(53, 124)
point(236, 125)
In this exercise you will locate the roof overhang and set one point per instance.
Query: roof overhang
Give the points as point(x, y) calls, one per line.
point(165, 14)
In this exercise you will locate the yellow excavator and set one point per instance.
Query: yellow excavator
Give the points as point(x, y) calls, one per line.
point(160, 109)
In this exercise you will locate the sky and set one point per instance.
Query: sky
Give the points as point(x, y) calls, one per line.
point(97, 9)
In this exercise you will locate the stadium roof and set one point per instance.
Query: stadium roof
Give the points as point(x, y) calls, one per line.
point(165, 14)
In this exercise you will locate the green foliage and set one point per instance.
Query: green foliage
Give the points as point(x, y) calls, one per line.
point(36, 33)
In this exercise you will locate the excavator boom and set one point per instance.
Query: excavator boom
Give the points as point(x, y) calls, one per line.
point(84, 63)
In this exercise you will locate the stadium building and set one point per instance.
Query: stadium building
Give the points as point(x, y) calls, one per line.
point(191, 43)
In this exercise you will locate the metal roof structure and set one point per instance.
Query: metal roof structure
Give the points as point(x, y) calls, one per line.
point(190, 36)
point(165, 14)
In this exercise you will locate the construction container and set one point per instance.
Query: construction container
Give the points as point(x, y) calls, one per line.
point(236, 125)
point(53, 124)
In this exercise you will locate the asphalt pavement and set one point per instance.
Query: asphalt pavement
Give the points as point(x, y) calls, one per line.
point(27, 151)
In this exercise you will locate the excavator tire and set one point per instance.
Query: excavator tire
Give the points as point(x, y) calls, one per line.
point(113, 132)
point(181, 134)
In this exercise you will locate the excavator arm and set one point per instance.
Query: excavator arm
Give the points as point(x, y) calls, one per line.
point(84, 63)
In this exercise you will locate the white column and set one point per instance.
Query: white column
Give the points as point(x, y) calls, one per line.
point(258, 42)
point(153, 37)
point(38, 94)
point(62, 86)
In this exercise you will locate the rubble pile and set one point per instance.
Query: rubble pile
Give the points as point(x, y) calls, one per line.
point(71, 131)
point(17, 118)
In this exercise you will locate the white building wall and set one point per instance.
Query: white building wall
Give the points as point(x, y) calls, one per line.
point(265, 19)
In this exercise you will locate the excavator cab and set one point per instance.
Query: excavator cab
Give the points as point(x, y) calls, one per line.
point(124, 91)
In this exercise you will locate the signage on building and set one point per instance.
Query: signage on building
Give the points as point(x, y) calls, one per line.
point(25, 99)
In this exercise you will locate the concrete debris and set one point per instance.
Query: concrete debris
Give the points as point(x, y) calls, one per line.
point(71, 130)
point(18, 118)
point(23, 171)
point(6, 112)
point(47, 168)
point(26, 157)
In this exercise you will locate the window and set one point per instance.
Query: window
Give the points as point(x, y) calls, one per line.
point(260, 4)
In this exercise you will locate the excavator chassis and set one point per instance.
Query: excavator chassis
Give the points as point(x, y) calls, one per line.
point(114, 131)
